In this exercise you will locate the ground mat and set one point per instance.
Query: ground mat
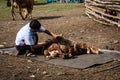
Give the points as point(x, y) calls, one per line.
point(80, 62)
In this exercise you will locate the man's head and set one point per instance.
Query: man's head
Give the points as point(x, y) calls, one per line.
point(35, 24)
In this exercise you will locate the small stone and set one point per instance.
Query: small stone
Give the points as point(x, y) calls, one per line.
point(37, 69)
point(2, 51)
point(2, 46)
point(44, 72)
point(32, 76)
point(116, 41)
point(4, 43)
point(28, 67)
point(118, 60)
point(29, 61)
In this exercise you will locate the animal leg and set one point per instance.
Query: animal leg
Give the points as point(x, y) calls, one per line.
point(12, 12)
point(29, 14)
point(71, 50)
point(20, 12)
point(25, 12)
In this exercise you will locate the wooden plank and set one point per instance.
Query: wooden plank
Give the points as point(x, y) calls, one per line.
point(102, 13)
point(97, 20)
point(98, 16)
point(104, 4)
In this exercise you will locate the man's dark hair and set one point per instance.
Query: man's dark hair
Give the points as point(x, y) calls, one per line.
point(35, 24)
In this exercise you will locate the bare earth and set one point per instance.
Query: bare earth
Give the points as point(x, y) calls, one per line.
point(74, 25)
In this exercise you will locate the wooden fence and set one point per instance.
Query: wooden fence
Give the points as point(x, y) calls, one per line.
point(104, 11)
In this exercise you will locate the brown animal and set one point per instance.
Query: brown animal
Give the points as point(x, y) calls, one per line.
point(83, 48)
point(65, 48)
point(24, 7)
point(59, 50)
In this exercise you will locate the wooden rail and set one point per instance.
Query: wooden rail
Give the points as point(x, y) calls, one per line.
point(98, 11)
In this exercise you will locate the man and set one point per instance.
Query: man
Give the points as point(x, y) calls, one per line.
point(27, 38)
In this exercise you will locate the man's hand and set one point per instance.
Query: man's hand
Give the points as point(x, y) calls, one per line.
point(58, 36)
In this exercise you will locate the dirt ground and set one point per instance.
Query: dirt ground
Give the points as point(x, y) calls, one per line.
point(74, 25)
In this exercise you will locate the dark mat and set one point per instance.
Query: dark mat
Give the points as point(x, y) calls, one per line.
point(9, 51)
point(80, 62)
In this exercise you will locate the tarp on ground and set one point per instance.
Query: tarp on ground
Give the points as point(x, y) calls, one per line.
point(80, 62)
